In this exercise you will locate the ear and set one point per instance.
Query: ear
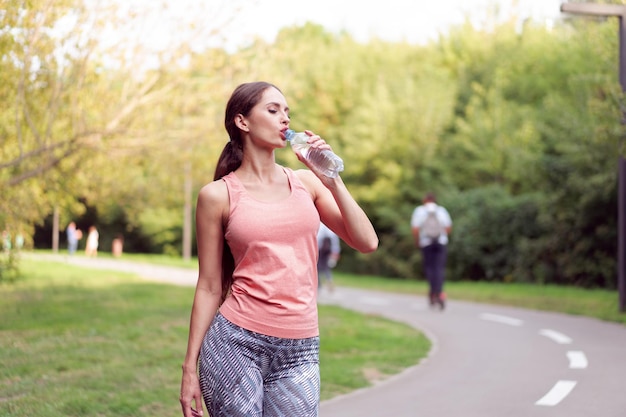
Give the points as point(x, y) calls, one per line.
point(242, 123)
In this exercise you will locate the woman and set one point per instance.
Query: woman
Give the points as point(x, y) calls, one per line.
point(253, 334)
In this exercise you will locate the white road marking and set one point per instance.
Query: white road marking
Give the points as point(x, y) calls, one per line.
point(501, 319)
point(558, 392)
point(577, 359)
point(559, 338)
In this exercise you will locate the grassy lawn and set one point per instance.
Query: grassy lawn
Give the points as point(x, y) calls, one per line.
point(83, 342)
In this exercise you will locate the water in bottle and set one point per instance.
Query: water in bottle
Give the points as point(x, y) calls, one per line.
point(324, 160)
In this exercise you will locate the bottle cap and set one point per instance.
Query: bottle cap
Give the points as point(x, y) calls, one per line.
point(289, 134)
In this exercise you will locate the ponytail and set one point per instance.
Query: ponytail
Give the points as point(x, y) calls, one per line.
point(230, 159)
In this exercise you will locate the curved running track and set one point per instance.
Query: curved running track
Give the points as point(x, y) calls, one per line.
point(493, 361)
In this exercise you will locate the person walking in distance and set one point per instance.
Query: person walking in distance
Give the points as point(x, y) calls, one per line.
point(431, 224)
point(73, 236)
point(329, 252)
point(93, 238)
point(253, 345)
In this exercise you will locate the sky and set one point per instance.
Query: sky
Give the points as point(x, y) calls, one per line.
point(168, 24)
point(415, 21)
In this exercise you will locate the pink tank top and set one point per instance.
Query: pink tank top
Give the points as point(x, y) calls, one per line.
point(274, 245)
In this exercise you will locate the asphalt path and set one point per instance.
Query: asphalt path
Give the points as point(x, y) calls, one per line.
point(485, 361)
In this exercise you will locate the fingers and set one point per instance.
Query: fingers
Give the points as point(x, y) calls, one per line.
point(186, 406)
point(188, 410)
point(190, 395)
point(197, 412)
point(316, 141)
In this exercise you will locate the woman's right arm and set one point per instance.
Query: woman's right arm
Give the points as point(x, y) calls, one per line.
point(212, 207)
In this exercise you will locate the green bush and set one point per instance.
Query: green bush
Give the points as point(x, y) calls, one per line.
point(491, 233)
point(9, 266)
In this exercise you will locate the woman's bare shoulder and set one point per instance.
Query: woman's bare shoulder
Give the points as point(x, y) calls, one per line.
point(214, 193)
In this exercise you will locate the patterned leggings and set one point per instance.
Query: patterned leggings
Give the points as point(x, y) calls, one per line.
point(247, 374)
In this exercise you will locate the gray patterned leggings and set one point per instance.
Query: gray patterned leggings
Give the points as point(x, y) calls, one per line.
point(247, 374)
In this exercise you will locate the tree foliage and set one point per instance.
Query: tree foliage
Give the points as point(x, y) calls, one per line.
point(516, 127)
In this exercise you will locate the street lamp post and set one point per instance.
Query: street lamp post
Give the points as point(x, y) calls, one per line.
point(619, 11)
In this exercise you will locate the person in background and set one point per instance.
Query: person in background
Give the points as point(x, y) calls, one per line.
point(6, 241)
point(19, 240)
point(72, 238)
point(329, 253)
point(253, 345)
point(431, 224)
point(117, 246)
point(91, 246)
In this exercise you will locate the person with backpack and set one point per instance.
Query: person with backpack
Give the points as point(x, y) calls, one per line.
point(329, 252)
point(431, 224)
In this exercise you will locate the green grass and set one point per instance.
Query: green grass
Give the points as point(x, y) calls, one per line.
point(80, 342)
point(83, 342)
point(358, 350)
point(131, 257)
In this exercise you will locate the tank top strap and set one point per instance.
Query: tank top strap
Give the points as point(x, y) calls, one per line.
point(233, 183)
point(236, 187)
point(294, 181)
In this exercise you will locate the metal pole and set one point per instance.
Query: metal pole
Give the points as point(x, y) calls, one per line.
point(621, 181)
point(621, 224)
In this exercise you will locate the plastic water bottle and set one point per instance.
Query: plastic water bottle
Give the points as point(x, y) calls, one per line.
point(324, 160)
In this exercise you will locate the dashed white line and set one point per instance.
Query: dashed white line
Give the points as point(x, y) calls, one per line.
point(577, 359)
point(558, 392)
point(511, 321)
point(557, 337)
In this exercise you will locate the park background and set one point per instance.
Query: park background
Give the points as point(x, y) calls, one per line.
point(513, 122)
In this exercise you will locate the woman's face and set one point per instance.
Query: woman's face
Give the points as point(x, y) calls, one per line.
point(269, 119)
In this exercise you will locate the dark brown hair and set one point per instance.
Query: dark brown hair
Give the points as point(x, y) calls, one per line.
point(242, 100)
point(430, 197)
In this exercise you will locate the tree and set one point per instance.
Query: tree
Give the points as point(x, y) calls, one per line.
point(78, 93)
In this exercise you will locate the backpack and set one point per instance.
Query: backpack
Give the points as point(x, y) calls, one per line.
point(432, 228)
